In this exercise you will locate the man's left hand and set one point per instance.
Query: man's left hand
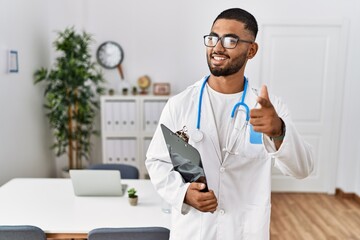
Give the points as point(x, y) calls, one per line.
point(265, 118)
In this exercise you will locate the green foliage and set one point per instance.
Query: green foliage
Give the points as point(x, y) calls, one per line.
point(132, 193)
point(71, 94)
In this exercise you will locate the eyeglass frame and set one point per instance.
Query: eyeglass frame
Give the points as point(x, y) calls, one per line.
point(225, 36)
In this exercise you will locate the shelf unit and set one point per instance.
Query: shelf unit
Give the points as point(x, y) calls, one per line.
point(127, 126)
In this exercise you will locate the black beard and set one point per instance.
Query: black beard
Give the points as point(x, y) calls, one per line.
point(238, 64)
point(224, 71)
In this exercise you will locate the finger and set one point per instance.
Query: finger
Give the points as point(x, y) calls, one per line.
point(264, 92)
point(209, 196)
point(209, 201)
point(256, 122)
point(209, 205)
point(210, 208)
point(256, 113)
point(259, 128)
point(263, 102)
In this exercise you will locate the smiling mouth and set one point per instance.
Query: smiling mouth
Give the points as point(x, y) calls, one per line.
point(218, 60)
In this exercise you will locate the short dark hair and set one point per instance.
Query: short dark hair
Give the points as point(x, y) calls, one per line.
point(240, 15)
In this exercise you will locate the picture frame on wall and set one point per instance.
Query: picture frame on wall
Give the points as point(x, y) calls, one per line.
point(161, 89)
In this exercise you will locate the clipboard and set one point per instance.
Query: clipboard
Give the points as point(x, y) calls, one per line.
point(186, 151)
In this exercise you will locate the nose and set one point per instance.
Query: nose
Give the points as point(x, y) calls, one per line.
point(218, 46)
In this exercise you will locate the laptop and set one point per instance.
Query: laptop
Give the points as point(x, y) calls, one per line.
point(88, 182)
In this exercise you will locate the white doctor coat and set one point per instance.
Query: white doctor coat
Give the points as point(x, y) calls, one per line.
point(241, 183)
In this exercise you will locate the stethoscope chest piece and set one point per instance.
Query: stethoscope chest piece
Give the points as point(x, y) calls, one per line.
point(197, 135)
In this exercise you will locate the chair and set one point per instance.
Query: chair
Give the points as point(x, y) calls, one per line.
point(138, 233)
point(126, 171)
point(21, 232)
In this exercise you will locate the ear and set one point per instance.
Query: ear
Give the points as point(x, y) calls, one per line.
point(252, 50)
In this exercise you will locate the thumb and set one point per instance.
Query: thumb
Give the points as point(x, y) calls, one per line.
point(263, 98)
point(199, 186)
point(264, 92)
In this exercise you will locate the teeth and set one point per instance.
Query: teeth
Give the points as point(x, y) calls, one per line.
point(219, 58)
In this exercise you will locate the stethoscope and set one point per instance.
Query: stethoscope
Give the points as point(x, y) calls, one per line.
point(198, 135)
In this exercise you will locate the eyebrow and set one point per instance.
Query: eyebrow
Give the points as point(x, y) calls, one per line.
point(225, 35)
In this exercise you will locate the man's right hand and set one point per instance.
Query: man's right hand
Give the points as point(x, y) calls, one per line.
point(202, 201)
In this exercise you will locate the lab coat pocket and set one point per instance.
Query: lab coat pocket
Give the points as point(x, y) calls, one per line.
point(257, 221)
point(251, 147)
point(253, 151)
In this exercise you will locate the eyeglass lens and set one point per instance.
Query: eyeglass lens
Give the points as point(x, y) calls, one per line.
point(226, 42)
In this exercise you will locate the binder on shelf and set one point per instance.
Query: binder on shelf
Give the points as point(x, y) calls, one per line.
point(116, 115)
point(124, 116)
point(132, 115)
point(118, 150)
point(108, 123)
point(153, 116)
point(125, 146)
point(133, 147)
point(147, 115)
point(127, 125)
point(110, 148)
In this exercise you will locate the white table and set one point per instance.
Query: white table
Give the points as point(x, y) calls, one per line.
point(50, 204)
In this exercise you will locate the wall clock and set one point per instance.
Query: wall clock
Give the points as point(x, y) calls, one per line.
point(110, 55)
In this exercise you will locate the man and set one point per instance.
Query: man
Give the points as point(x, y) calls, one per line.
point(240, 133)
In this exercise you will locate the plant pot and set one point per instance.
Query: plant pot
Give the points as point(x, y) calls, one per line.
point(133, 201)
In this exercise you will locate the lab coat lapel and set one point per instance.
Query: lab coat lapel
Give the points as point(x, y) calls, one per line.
point(251, 98)
point(251, 102)
point(208, 126)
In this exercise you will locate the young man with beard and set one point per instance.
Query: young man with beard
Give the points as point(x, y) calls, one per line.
point(240, 133)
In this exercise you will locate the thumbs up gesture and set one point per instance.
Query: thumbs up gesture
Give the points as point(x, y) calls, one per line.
point(265, 118)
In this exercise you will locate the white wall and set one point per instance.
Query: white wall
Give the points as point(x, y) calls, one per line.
point(24, 134)
point(162, 39)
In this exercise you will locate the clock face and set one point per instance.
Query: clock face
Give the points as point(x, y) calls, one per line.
point(109, 55)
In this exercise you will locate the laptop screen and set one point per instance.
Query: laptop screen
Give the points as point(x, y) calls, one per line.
point(88, 182)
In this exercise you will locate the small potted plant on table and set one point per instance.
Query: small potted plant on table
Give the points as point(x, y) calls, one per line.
point(133, 198)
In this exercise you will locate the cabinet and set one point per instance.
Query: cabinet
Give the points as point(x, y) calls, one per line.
point(127, 126)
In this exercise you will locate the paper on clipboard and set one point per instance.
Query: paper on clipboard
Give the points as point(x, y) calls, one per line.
point(184, 157)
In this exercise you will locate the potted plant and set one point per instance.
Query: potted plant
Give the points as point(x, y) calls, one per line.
point(133, 198)
point(71, 94)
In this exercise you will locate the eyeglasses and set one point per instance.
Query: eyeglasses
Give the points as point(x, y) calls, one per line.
point(228, 42)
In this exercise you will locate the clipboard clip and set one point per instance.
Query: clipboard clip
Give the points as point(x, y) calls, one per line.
point(183, 134)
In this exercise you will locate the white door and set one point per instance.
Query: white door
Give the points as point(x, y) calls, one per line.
point(304, 64)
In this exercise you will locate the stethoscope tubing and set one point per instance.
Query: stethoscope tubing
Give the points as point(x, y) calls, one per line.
point(241, 103)
point(200, 102)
